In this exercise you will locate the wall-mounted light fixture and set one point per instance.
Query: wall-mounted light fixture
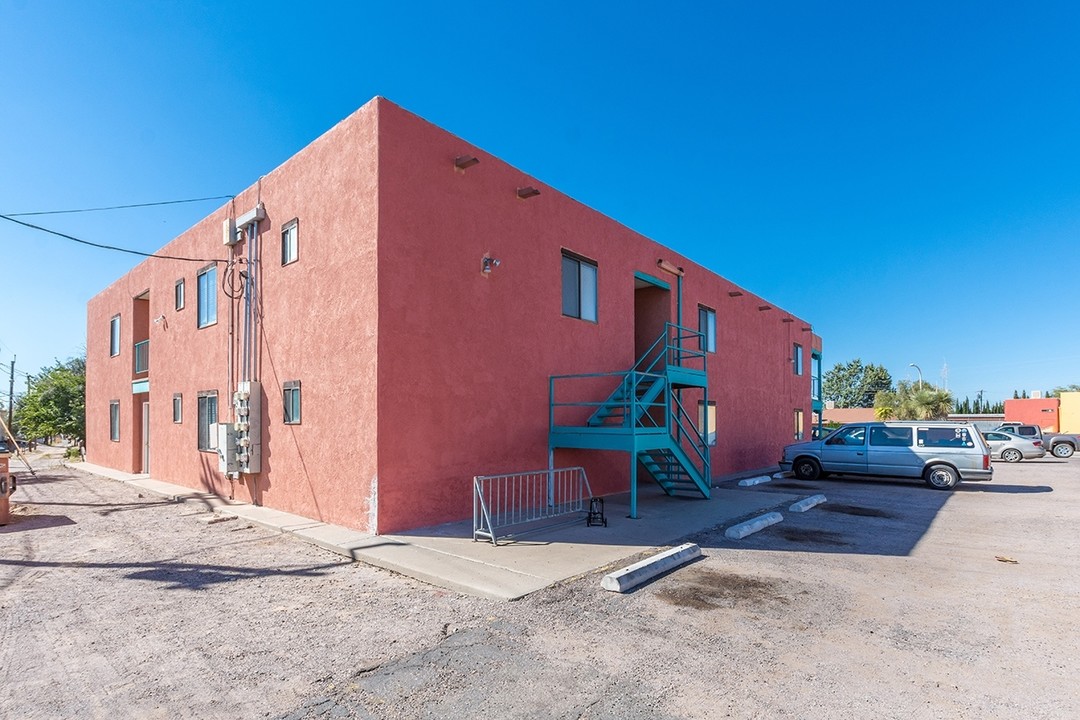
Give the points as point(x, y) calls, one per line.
point(734, 293)
point(669, 267)
point(162, 321)
point(461, 162)
point(764, 307)
point(527, 192)
point(488, 263)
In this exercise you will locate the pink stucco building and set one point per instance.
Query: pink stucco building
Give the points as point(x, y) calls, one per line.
point(402, 300)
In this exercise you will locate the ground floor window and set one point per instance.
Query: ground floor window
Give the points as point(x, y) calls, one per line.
point(208, 417)
point(707, 421)
point(114, 420)
point(291, 397)
point(799, 431)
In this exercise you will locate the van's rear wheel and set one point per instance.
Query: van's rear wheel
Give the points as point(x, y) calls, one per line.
point(807, 469)
point(941, 477)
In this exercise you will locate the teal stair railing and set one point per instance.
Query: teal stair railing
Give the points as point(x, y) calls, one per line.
point(642, 412)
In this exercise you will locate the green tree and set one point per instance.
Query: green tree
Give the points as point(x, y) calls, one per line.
point(854, 384)
point(56, 402)
point(1056, 392)
point(910, 402)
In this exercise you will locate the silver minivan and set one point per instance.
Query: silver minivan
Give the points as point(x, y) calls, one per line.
point(941, 453)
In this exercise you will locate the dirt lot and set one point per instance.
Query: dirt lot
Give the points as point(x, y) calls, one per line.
point(888, 601)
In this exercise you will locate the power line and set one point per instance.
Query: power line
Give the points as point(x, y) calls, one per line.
point(109, 247)
point(120, 207)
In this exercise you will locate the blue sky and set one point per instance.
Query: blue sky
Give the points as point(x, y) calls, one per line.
point(906, 176)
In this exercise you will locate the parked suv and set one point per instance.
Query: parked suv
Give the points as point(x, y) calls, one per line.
point(941, 453)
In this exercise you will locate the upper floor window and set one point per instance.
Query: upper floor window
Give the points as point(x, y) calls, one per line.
point(114, 336)
point(178, 294)
point(207, 300)
point(290, 239)
point(707, 328)
point(796, 359)
point(815, 377)
point(578, 287)
point(178, 408)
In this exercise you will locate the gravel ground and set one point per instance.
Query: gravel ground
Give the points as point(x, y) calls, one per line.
point(888, 601)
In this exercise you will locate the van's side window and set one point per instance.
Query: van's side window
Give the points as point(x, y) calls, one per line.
point(891, 436)
point(944, 437)
point(848, 436)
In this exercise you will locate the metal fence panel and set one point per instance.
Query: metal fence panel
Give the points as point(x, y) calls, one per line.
point(504, 502)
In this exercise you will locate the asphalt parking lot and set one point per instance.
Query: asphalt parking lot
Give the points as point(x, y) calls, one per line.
point(890, 600)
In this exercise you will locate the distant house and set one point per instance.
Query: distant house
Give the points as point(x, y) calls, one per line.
point(835, 415)
point(393, 311)
point(1057, 414)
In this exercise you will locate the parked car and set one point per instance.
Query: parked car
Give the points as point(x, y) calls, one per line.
point(1013, 448)
point(941, 453)
point(1060, 445)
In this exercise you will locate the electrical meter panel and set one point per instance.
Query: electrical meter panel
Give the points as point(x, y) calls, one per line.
point(247, 404)
point(226, 447)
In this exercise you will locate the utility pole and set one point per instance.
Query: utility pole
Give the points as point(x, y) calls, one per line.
point(11, 395)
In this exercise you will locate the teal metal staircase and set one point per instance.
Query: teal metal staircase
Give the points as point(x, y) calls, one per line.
point(641, 413)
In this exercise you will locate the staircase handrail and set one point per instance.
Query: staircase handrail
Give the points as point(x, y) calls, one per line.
point(630, 381)
point(672, 337)
point(700, 448)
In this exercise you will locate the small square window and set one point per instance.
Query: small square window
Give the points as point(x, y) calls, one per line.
point(114, 336)
point(178, 294)
point(578, 287)
point(178, 408)
point(114, 420)
point(291, 401)
point(290, 242)
point(707, 328)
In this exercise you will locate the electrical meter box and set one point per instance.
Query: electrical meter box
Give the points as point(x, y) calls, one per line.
point(247, 405)
point(226, 447)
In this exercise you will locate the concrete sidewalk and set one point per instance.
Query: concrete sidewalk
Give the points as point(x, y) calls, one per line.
point(448, 557)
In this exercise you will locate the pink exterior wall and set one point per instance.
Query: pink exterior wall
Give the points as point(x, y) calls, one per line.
point(465, 358)
point(1042, 412)
point(319, 327)
point(418, 371)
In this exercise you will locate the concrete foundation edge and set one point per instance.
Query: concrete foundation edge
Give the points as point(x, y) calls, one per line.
point(633, 575)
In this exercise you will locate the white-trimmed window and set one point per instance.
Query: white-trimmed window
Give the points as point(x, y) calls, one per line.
point(178, 294)
point(114, 336)
point(290, 394)
point(799, 431)
point(177, 408)
point(208, 417)
point(290, 241)
point(707, 328)
point(578, 287)
point(114, 420)
point(207, 300)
